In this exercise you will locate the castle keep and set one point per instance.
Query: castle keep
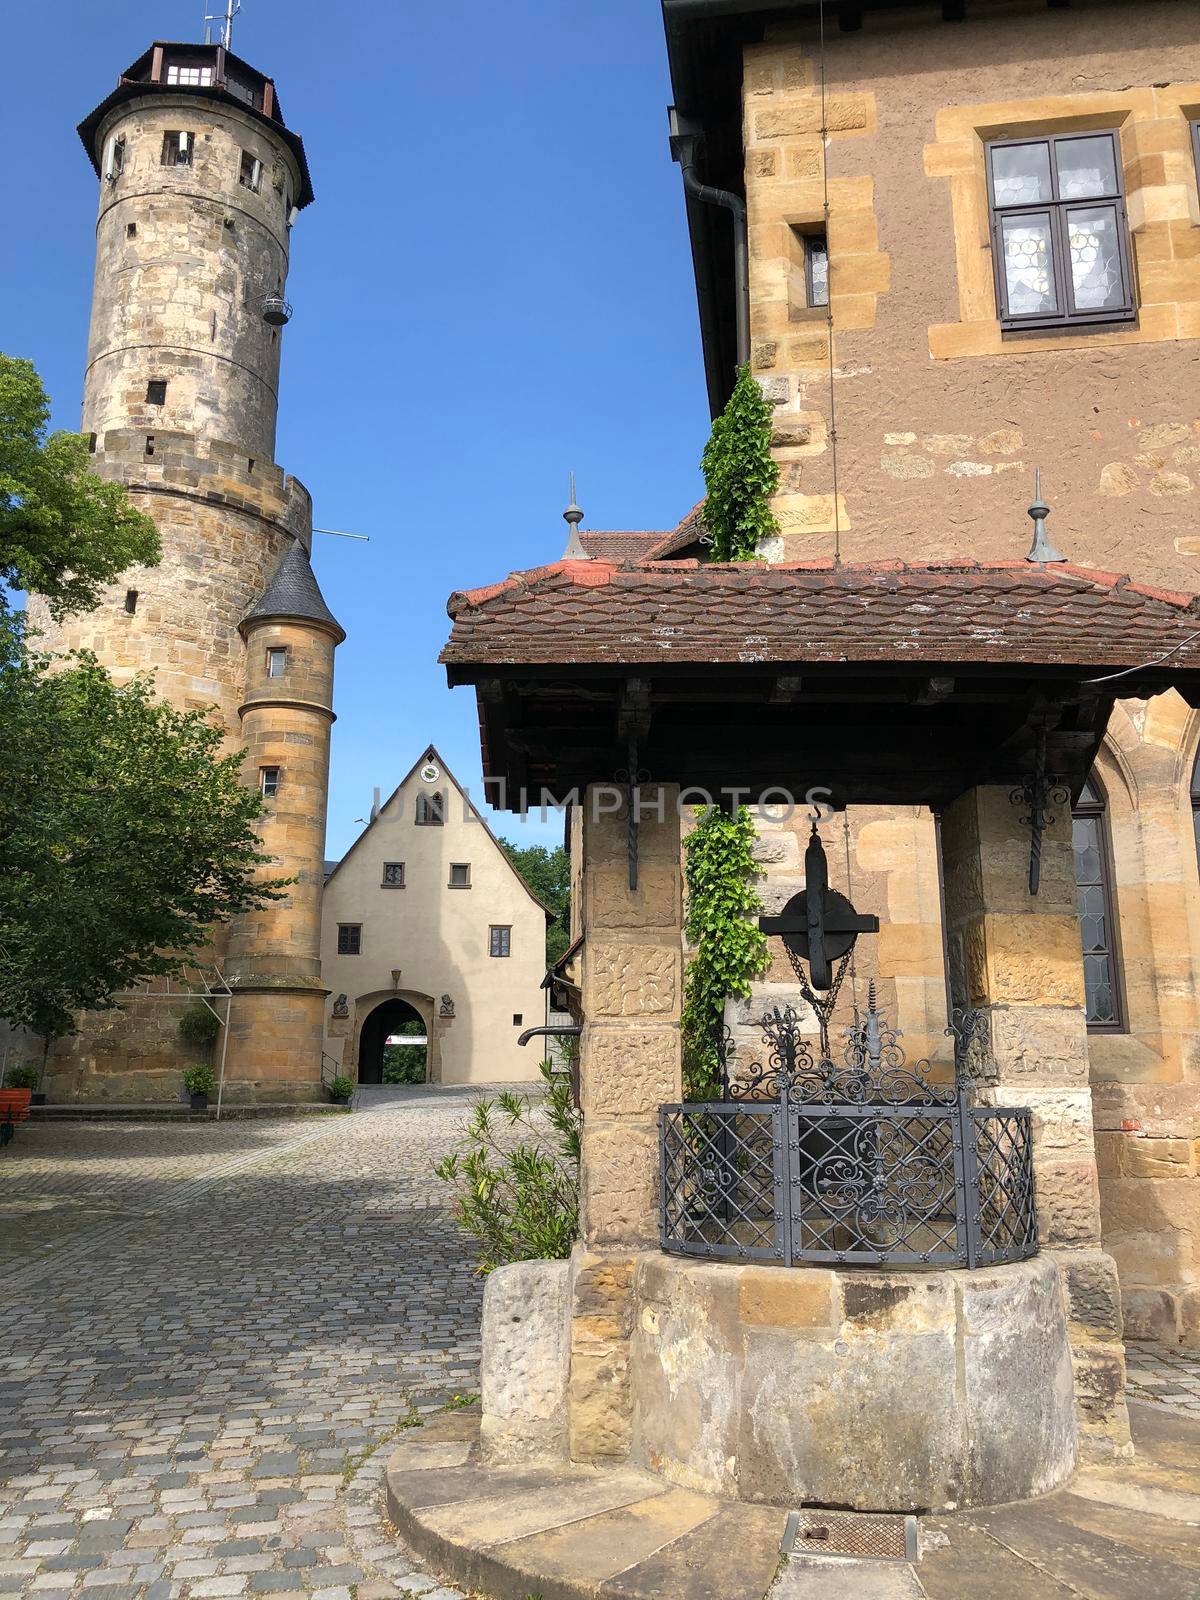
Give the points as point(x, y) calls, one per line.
point(201, 181)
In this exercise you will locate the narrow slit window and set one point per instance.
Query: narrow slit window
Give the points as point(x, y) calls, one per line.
point(268, 782)
point(1060, 240)
point(250, 174)
point(114, 157)
point(1097, 922)
point(393, 874)
point(518, 1018)
point(816, 269)
point(91, 444)
point(276, 661)
point(131, 230)
point(131, 597)
point(156, 392)
point(177, 149)
point(499, 941)
point(460, 875)
point(349, 939)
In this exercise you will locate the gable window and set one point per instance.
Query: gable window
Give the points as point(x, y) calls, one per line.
point(191, 77)
point(460, 875)
point(276, 661)
point(499, 941)
point(1059, 238)
point(431, 810)
point(268, 781)
point(250, 175)
point(349, 939)
point(1097, 924)
point(156, 392)
point(393, 874)
point(177, 150)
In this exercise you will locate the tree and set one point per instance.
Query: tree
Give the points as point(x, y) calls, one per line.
point(740, 474)
point(124, 835)
point(64, 533)
point(730, 948)
point(548, 875)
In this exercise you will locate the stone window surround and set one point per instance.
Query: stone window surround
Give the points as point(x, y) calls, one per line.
point(178, 148)
point(396, 881)
point(276, 653)
point(464, 882)
point(1150, 124)
point(270, 781)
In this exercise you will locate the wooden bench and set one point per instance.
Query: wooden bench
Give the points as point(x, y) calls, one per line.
point(14, 1108)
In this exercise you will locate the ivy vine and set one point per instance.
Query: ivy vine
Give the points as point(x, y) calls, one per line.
point(730, 951)
point(740, 474)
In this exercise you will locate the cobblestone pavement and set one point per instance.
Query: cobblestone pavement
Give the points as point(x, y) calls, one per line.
point(197, 1366)
point(1165, 1374)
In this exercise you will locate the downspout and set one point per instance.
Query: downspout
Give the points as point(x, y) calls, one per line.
point(684, 141)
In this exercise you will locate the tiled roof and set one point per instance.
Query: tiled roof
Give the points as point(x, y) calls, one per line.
point(684, 534)
point(294, 592)
point(592, 612)
point(620, 547)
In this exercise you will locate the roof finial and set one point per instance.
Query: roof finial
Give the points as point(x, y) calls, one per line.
point(1041, 550)
point(573, 516)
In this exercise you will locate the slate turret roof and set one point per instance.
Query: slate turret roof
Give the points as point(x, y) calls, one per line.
point(294, 592)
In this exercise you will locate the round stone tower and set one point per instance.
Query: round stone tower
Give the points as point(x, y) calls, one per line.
point(200, 183)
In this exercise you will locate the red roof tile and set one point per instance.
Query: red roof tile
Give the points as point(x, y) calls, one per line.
point(620, 547)
point(593, 612)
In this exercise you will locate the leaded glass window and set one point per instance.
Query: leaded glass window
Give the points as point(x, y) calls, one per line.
point(1097, 929)
point(1059, 234)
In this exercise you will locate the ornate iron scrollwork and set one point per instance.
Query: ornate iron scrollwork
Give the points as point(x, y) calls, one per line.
point(1043, 795)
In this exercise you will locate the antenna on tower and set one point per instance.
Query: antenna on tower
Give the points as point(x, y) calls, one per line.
point(232, 7)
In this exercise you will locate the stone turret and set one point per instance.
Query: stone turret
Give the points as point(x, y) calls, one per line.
point(200, 183)
point(274, 963)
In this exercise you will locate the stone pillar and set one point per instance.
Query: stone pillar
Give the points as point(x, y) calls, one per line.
point(629, 1066)
point(1018, 957)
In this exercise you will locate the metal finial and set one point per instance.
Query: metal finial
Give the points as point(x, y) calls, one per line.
point(573, 516)
point(1041, 551)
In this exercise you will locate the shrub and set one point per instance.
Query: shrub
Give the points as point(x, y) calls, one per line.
point(740, 475)
point(199, 1026)
point(22, 1076)
point(519, 1202)
point(199, 1079)
point(730, 949)
point(341, 1087)
point(404, 1063)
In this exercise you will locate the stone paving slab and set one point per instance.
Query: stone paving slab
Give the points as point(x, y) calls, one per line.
point(1166, 1375)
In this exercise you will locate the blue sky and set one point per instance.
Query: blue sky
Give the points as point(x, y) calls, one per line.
point(493, 286)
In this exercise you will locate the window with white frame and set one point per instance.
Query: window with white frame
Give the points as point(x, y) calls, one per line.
point(190, 77)
point(268, 781)
point(177, 149)
point(250, 173)
point(114, 157)
point(276, 661)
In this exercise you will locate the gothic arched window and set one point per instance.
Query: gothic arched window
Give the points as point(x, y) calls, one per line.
point(1097, 921)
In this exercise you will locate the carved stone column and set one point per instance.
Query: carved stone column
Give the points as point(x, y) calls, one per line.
point(629, 1066)
point(1018, 956)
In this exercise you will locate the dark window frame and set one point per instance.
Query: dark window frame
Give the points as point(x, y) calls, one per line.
point(156, 392)
point(349, 938)
point(430, 809)
point(268, 785)
point(500, 949)
point(1055, 211)
point(397, 880)
point(1094, 806)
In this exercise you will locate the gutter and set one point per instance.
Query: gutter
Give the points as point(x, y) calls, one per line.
point(685, 138)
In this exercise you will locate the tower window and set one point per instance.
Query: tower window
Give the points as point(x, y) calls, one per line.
point(190, 77)
point(349, 939)
point(131, 600)
point(393, 874)
point(268, 781)
point(177, 149)
point(460, 875)
point(91, 444)
point(156, 392)
point(149, 444)
point(431, 810)
point(250, 176)
point(114, 157)
point(131, 230)
point(499, 941)
point(276, 661)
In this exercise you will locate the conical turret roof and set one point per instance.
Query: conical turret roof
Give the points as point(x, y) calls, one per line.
point(294, 592)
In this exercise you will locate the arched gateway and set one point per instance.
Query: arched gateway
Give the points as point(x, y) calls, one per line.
point(383, 1023)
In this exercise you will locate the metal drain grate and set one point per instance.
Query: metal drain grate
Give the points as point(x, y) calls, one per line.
point(872, 1535)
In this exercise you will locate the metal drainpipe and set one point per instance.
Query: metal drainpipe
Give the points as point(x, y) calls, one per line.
point(737, 207)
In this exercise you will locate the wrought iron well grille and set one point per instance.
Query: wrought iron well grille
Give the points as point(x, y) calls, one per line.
point(862, 1162)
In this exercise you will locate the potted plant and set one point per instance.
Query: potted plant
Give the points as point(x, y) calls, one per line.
point(340, 1089)
point(198, 1083)
point(26, 1076)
